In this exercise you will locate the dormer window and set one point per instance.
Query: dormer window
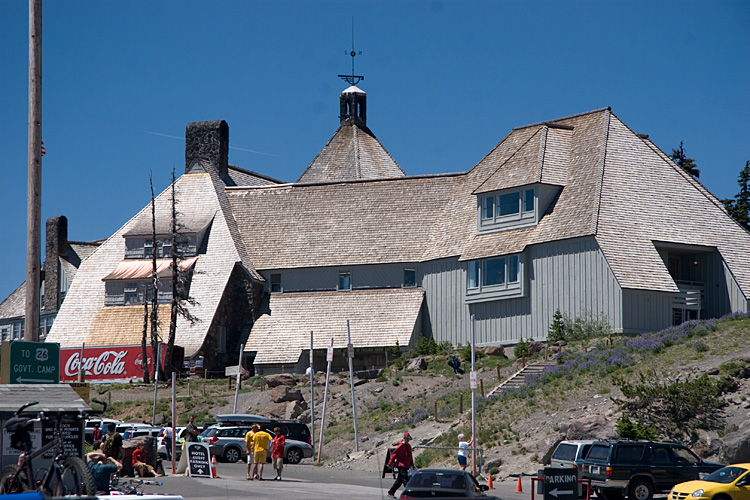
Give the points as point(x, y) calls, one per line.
point(508, 209)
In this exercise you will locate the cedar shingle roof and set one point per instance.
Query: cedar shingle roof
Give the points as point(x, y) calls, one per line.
point(377, 318)
point(83, 316)
point(353, 153)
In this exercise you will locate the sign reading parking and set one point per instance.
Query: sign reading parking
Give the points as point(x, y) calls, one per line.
point(560, 483)
point(30, 363)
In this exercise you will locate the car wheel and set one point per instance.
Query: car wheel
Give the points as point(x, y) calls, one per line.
point(232, 455)
point(641, 489)
point(293, 456)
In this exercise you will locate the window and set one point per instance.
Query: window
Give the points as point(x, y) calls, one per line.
point(493, 272)
point(507, 210)
point(494, 278)
point(276, 283)
point(345, 280)
point(221, 339)
point(131, 295)
point(148, 249)
point(410, 278)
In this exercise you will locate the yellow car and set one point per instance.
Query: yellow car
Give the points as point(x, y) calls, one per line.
point(730, 483)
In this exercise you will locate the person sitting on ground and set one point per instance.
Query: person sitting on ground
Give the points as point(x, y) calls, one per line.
point(102, 468)
point(140, 466)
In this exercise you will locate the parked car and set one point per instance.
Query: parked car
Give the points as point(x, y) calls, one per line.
point(291, 429)
point(432, 483)
point(161, 449)
point(731, 482)
point(125, 426)
point(136, 432)
point(570, 453)
point(102, 422)
point(228, 444)
point(639, 469)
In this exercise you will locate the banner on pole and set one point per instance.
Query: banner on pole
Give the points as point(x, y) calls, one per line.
point(473, 379)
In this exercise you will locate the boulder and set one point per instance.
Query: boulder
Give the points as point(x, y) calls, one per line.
point(547, 447)
point(590, 427)
point(294, 409)
point(274, 410)
point(495, 350)
point(417, 364)
point(736, 447)
point(280, 379)
point(535, 346)
point(282, 393)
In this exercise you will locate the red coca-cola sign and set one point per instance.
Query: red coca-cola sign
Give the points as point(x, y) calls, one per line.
point(108, 363)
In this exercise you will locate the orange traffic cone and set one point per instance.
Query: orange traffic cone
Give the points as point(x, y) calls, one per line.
point(214, 472)
point(489, 482)
point(519, 488)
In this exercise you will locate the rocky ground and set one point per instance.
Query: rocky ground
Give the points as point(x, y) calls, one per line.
point(585, 414)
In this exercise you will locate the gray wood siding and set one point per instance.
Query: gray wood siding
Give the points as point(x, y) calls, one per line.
point(645, 311)
point(738, 301)
point(570, 275)
point(327, 278)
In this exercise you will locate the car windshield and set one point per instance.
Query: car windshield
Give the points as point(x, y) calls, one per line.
point(725, 475)
point(438, 480)
point(211, 431)
point(565, 451)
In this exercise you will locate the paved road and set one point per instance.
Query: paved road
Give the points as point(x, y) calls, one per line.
point(304, 481)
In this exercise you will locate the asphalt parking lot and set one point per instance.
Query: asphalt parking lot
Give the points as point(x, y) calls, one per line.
point(300, 481)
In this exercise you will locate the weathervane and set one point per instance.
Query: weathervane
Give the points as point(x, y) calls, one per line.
point(353, 79)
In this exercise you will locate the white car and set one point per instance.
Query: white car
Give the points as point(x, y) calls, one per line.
point(102, 422)
point(161, 449)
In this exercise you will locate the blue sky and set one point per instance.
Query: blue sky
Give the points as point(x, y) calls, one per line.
point(446, 81)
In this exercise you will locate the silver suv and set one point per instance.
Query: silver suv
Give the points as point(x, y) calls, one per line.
point(228, 444)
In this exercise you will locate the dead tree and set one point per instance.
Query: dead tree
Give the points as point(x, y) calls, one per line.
point(154, 283)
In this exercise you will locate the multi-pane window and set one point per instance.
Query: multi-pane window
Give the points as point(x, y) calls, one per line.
point(507, 209)
point(493, 273)
point(131, 295)
point(276, 283)
point(345, 280)
point(410, 278)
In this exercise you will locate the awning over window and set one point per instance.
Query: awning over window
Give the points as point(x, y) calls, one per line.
point(142, 269)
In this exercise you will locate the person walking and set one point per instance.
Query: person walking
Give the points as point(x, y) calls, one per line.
point(250, 446)
point(112, 442)
point(96, 434)
point(167, 435)
point(277, 453)
point(463, 450)
point(260, 451)
point(401, 460)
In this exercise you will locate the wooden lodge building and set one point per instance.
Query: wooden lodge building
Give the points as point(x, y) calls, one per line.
point(578, 214)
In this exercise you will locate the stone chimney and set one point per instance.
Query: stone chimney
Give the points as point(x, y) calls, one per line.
point(353, 103)
point(208, 141)
point(57, 246)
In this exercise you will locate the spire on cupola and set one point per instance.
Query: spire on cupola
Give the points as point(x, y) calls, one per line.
point(353, 101)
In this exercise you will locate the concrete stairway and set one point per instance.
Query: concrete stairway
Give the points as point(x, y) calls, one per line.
point(518, 379)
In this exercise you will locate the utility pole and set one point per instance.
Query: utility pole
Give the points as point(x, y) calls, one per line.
point(34, 186)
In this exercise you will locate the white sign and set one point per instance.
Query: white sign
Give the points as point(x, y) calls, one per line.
point(473, 379)
point(329, 354)
point(350, 350)
point(231, 371)
point(36, 440)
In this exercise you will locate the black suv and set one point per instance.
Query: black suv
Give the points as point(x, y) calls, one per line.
point(640, 468)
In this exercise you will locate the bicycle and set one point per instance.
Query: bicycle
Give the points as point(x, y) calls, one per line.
point(129, 487)
point(65, 476)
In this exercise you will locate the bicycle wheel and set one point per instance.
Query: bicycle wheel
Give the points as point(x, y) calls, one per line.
point(10, 482)
point(75, 479)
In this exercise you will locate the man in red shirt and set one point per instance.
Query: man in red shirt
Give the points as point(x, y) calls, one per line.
point(401, 461)
point(277, 453)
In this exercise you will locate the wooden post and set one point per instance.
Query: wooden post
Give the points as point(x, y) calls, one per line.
point(229, 383)
point(461, 403)
point(498, 372)
point(436, 412)
point(481, 386)
point(524, 360)
point(205, 373)
point(34, 183)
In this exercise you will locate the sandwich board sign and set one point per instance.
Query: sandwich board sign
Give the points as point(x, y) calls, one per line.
point(199, 459)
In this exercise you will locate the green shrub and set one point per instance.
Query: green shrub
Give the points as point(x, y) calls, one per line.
point(556, 330)
point(628, 429)
point(586, 326)
point(520, 348)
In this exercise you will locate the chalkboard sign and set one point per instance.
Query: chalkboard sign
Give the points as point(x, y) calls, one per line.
point(199, 459)
point(72, 435)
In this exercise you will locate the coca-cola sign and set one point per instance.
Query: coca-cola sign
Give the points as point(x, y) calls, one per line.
point(108, 363)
